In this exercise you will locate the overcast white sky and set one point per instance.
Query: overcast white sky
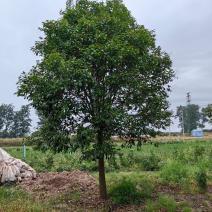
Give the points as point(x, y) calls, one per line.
point(183, 29)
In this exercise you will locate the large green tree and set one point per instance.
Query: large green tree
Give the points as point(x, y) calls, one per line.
point(14, 124)
point(191, 117)
point(208, 112)
point(21, 122)
point(101, 74)
point(6, 119)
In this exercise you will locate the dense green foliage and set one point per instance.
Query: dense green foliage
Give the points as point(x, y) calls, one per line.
point(14, 124)
point(101, 74)
point(191, 117)
point(125, 192)
point(172, 161)
point(98, 64)
point(208, 112)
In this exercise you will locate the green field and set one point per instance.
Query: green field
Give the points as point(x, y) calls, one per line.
point(183, 165)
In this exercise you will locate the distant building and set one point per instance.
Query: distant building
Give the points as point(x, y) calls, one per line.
point(197, 133)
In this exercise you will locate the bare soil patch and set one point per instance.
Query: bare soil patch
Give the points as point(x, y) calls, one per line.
point(76, 189)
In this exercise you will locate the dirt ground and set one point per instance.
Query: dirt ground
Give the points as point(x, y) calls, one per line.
point(76, 188)
point(79, 191)
point(71, 191)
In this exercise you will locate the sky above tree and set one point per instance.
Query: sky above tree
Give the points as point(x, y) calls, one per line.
point(182, 28)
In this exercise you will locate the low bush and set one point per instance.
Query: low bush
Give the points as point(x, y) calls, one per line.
point(174, 172)
point(168, 204)
point(201, 178)
point(125, 192)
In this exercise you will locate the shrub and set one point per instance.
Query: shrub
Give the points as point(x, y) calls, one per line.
point(201, 178)
point(199, 151)
point(150, 162)
point(174, 172)
point(168, 204)
point(146, 189)
point(125, 192)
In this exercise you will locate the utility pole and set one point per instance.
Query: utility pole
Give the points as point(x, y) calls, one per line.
point(183, 123)
point(188, 98)
point(169, 131)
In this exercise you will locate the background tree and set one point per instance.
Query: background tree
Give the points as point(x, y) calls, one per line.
point(203, 118)
point(192, 116)
point(6, 119)
point(14, 124)
point(101, 74)
point(208, 112)
point(21, 122)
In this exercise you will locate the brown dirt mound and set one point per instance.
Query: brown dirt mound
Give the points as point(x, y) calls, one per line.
point(65, 184)
point(56, 183)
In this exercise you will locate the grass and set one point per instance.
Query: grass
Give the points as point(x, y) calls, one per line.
point(15, 199)
point(185, 163)
point(166, 203)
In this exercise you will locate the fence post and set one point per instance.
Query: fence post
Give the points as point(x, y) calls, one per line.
point(178, 139)
point(24, 150)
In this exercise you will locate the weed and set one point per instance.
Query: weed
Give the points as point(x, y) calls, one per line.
point(187, 209)
point(125, 192)
point(146, 188)
point(75, 196)
point(184, 204)
point(201, 178)
point(198, 151)
point(152, 206)
point(168, 204)
point(174, 172)
point(205, 203)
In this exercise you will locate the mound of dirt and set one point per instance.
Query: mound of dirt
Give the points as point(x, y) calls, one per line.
point(56, 183)
point(65, 184)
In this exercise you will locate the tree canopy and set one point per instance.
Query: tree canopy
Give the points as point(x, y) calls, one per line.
point(14, 124)
point(101, 74)
point(192, 117)
point(208, 112)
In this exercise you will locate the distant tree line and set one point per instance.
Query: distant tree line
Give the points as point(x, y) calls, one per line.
point(191, 117)
point(14, 124)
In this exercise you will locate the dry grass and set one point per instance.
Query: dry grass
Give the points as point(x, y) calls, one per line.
point(170, 138)
point(6, 142)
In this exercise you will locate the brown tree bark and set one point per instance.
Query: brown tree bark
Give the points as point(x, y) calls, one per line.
point(102, 181)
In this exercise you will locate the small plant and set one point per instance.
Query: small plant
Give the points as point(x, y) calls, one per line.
point(184, 204)
point(146, 189)
point(75, 196)
point(168, 204)
point(152, 206)
point(205, 203)
point(201, 178)
point(187, 209)
point(125, 192)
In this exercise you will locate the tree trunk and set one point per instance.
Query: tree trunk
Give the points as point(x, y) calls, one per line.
point(102, 182)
